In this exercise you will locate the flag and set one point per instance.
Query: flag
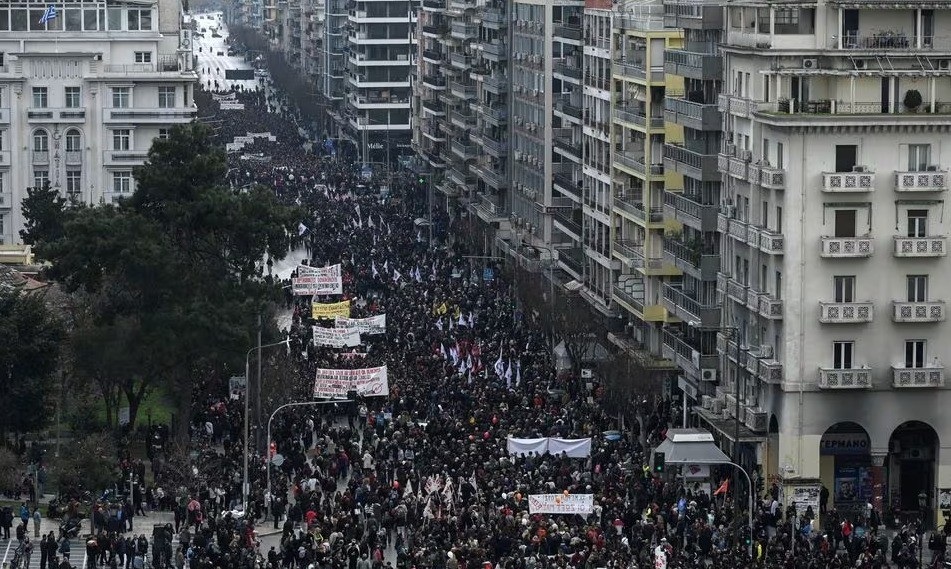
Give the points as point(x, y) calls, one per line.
point(462, 320)
point(48, 14)
point(386, 266)
point(419, 236)
point(499, 366)
point(508, 375)
point(301, 229)
point(409, 487)
point(445, 352)
point(472, 481)
point(376, 273)
point(518, 373)
point(439, 324)
point(724, 487)
point(396, 276)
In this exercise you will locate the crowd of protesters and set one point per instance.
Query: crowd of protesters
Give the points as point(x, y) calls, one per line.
point(424, 471)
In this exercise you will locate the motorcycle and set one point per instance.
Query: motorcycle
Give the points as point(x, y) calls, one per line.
point(70, 528)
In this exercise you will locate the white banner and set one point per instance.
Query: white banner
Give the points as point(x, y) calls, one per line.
point(561, 504)
point(575, 448)
point(335, 383)
point(336, 337)
point(522, 447)
point(230, 106)
point(318, 280)
point(696, 470)
point(224, 96)
point(372, 325)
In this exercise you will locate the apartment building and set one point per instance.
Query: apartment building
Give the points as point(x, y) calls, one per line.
point(834, 243)
point(83, 95)
point(381, 42)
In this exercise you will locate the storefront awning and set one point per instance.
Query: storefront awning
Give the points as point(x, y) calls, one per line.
point(691, 446)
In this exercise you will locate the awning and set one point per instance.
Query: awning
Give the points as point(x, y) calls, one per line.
point(688, 452)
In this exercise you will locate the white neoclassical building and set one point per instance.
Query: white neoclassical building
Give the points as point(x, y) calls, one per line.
point(835, 234)
point(83, 95)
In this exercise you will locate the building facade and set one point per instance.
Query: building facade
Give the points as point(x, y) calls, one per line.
point(83, 96)
point(834, 163)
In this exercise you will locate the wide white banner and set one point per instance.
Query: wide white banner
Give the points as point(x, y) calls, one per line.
point(318, 280)
point(335, 383)
point(575, 448)
point(522, 447)
point(372, 325)
point(336, 337)
point(560, 504)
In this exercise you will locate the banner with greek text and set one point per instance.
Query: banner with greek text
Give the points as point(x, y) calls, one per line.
point(318, 280)
point(335, 383)
point(336, 337)
point(330, 310)
point(523, 447)
point(561, 504)
point(372, 325)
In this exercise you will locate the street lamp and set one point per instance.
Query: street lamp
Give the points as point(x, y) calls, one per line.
point(245, 486)
point(271, 418)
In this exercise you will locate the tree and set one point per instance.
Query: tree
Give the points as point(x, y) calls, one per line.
point(86, 464)
point(631, 388)
point(44, 213)
point(174, 271)
point(28, 357)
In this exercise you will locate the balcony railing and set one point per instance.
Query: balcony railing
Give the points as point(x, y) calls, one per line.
point(909, 377)
point(701, 166)
point(846, 312)
point(677, 300)
point(921, 246)
point(698, 116)
point(856, 378)
point(636, 208)
point(936, 181)
point(567, 69)
point(933, 311)
point(848, 182)
point(629, 249)
point(567, 31)
point(846, 247)
point(689, 210)
point(628, 298)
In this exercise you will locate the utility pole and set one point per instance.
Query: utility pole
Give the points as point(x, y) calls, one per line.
point(257, 409)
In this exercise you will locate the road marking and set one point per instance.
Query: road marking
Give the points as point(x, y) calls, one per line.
point(5, 553)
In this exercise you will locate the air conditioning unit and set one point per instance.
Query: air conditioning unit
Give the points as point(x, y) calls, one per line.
point(729, 211)
point(766, 351)
point(860, 168)
point(944, 64)
point(810, 63)
point(706, 401)
point(861, 63)
point(708, 374)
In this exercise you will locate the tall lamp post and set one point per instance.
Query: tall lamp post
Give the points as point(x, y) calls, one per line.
point(271, 418)
point(245, 486)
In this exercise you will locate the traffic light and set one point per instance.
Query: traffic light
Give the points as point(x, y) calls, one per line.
point(659, 460)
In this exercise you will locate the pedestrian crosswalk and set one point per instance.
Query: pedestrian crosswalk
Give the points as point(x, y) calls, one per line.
point(77, 553)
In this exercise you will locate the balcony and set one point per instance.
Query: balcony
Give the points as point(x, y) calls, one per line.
point(565, 107)
point(848, 182)
point(767, 241)
point(917, 247)
point(462, 119)
point(433, 133)
point(689, 211)
point(495, 51)
point(567, 31)
point(686, 356)
point(568, 221)
point(737, 106)
point(150, 115)
point(129, 157)
point(460, 60)
point(767, 176)
point(569, 149)
point(464, 151)
point(846, 312)
point(433, 56)
point(695, 65)
point(634, 206)
point(40, 157)
point(690, 309)
point(463, 31)
point(494, 17)
point(462, 90)
point(856, 378)
point(494, 145)
point(697, 260)
point(490, 209)
point(909, 377)
point(491, 177)
point(628, 298)
point(433, 31)
point(936, 181)
point(434, 108)
point(693, 164)
point(770, 307)
point(912, 312)
point(568, 70)
point(846, 247)
point(697, 116)
point(637, 115)
point(637, 70)
point(573, 260)
point(637, 165)
point(435, 83)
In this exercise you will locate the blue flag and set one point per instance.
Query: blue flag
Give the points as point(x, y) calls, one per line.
point(48, 14)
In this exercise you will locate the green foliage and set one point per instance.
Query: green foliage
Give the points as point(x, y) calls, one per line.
point(44, 212)
point(11, 469)
point(174, 272)
point(86, 464)
point(28, 357)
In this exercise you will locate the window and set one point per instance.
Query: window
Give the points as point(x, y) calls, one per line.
point(766, 150)
point(143, 57)
point(780, 155)
point(74, 182)
point(41, 178)
point(846, 157)
point(41, 141)
point(915, 353)
point(140, 20)
point(917, 223)
point(845, 223)
point(115, 19)
point(122, 139)
point(163, 133)
point(917, 288)
point(779, 219)
point(121, 97)
point(919, 157)
point(122, 182)
point(73, 140)
point(41, 97)
point(844, 288)
point(166, 97)
point(842, 354)
point(73, 97)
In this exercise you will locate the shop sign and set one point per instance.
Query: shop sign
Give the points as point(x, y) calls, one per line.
point(844, 443)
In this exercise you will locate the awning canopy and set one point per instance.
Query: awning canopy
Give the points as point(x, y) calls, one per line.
point(691, 446)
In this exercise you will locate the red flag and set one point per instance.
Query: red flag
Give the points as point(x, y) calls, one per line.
point(724, 488)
